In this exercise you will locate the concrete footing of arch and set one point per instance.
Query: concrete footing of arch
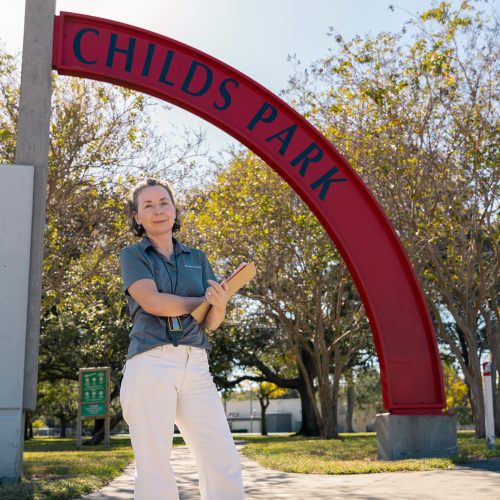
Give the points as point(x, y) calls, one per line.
point(416, 436)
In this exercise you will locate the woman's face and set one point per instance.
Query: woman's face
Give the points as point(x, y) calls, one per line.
point(155, 211)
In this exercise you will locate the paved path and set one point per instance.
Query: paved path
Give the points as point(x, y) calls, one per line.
point(480, 480)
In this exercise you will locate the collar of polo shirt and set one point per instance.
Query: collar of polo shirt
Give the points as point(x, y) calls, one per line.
point(178, 246)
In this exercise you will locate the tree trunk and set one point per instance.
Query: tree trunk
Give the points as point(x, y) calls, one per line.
point(331, 428)
point(263, 421)
point(350, 403)
point(474, 379)
point(28, 426)
point(98, 425)
point(309, 425)
point(98, 437)
point(477, 405)
point(62, 432)
point(328, 396)
point(471, 367)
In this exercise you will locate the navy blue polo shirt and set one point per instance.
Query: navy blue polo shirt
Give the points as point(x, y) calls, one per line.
point(185, 274)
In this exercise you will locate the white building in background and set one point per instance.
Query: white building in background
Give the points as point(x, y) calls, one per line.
point(283, 415)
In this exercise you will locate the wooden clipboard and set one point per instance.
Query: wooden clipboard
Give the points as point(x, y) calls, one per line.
point(234, 283)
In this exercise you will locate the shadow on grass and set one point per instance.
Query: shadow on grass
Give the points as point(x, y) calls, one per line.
point(490, 465)
point(40, 445)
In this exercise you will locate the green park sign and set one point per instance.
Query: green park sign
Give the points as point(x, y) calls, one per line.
point(93, 388)
point(93, 398)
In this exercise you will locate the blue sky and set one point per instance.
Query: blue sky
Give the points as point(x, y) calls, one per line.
point(254, 36)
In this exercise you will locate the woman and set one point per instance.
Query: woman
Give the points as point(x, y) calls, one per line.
point(166, 375)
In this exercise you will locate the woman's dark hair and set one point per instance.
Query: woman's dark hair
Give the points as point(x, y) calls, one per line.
point(132, 205)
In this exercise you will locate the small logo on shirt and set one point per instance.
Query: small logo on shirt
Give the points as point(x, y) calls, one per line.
point(194, 267)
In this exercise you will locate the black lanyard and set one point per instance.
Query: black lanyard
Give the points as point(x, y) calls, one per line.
point(172, 287)
point(175, 335)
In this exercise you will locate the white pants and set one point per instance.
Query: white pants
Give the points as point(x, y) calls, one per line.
point(168, 384)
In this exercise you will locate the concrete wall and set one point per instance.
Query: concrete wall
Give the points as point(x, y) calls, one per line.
point(242, 409)
point(16, 200)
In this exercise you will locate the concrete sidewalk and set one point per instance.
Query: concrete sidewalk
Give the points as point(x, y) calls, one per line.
point(478, 480)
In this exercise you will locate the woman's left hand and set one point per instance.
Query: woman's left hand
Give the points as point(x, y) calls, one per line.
point(217, 294)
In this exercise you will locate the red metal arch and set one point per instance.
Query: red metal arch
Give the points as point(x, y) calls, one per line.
point(100, 49)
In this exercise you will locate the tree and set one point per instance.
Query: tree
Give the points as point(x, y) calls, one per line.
point(9, 92)
point(265, 392)
point(303, 285)
point(58, 399)
point(417, 117)
point(101, 139)
point(350, 399)
point(368, 393)
point(255, 347)
point(457, 394)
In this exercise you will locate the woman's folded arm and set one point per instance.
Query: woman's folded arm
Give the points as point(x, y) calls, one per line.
point(145, 293)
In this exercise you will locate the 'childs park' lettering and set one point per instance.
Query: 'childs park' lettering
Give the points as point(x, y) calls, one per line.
point(161, 66)
point(197, 81)
point(109, 51)
point(311, 154)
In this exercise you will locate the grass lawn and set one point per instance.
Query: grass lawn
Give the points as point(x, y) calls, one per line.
point(53, 469)
point(354, 454)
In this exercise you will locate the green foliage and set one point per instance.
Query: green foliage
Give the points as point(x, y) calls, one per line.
point(457, 397)
point(101, 140)
point(302, 300)
point(416, 114)
point(58, 398)
point(9, 91)
point(368, 391)
point(38, 424)
point(268, 390)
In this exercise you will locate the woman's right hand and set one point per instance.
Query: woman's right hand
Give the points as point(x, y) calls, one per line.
point(217, 295)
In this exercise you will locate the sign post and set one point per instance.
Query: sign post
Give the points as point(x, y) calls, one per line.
point(488, 406)
point(93, 400)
